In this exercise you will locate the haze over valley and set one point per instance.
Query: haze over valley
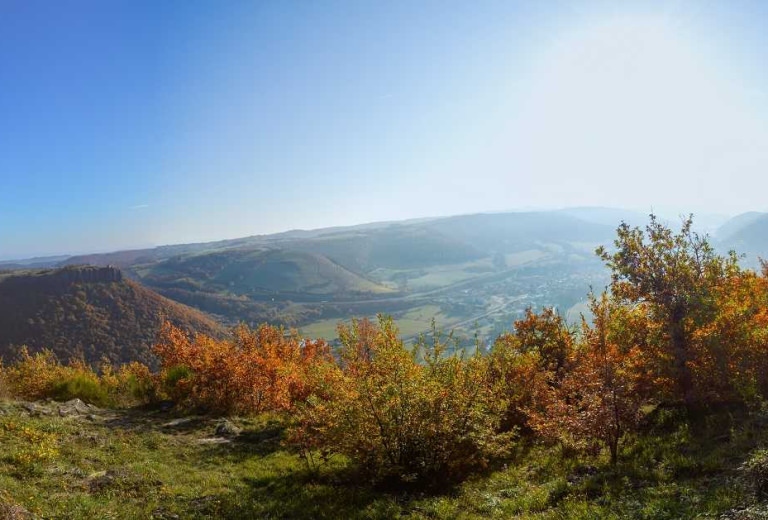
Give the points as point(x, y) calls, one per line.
point(473, 274)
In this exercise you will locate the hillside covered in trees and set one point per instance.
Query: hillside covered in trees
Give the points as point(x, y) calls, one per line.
point(88, 312)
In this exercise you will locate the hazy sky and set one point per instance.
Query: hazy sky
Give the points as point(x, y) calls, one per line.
point(130, 123)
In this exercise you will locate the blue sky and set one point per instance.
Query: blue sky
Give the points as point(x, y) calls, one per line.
point(134, 123)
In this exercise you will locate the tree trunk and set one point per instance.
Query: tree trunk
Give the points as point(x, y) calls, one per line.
point(681, 355)
point(613, 445)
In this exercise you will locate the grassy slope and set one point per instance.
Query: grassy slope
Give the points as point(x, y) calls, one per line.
point(679, 471)
point(258, 271)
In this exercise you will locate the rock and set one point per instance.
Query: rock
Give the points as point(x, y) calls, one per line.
point(178, 422)
point(755, 512)
point(35, 409)
point(74, 407)
point(225, 428)
point(101, 480)
point(14, 512)
point(214, 440)
point(91, 417)
point(204, 502)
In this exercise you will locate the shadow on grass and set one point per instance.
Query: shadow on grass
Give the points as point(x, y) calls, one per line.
point(261, 441)
point(300, 495)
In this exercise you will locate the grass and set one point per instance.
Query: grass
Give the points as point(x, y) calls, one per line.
point(127, 464)
point(409, 323)
point(325, 329)
point(524, 257)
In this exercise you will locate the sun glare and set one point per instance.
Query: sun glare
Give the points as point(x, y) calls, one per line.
point(636, 95)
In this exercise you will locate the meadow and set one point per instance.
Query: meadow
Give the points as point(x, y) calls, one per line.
point(150, 463)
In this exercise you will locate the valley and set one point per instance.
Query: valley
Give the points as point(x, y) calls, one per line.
point(472, 274)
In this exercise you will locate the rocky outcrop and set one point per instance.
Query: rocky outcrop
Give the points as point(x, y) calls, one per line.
point(67, 276)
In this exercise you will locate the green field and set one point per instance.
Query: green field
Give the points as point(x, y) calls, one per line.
point(433, 277)
point(524, 257)
point(410, 323)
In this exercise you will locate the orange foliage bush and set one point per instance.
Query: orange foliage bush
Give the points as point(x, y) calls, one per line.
point(516, 378)
point(599, 398)
point(35, 376)
point(41, 376)
point(547, 335)
point(250, 372)
point(396, 417)
point(730, 359)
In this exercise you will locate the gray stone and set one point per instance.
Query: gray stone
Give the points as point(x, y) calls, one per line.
point(214, 440)
point(74, 407)
point(225, 428)
point(178, 422)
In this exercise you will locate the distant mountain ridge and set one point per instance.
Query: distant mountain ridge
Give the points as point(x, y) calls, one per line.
point(298, 276)
point(474, 234)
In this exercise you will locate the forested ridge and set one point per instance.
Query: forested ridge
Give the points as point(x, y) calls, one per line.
point(87, 312)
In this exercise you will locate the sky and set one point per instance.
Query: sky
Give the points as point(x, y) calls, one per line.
point(128, 124)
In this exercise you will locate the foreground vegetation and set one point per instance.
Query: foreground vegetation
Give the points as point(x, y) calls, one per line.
point(129, 464)
point(654, 409)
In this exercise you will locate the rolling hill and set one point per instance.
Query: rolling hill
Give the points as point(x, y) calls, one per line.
point(258, 273)
point(514, 232)
point(746, 234)
point(87, 311)
point(396, 245)
point(301, 276)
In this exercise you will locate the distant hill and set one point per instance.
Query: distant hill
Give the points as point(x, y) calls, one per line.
point(258, 272)
point(746, 234)
point(87, 311)
point(33, 263)
point(397, 246)
point(734, 225)
point(606, 216)
point(513, 232)
point(291, 277)
point(404, 244)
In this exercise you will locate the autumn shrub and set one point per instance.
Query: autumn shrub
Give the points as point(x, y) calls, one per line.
point(546, 334)
point(674, 276)
point(250, 372)
point(518, 382)
point(136, 383)
point(5, 393)
point(83, 387)
point(396, 417)
point(34, 376)
point(731, 350)
point(599, 398)
point(41, 376)
point(175, 380)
